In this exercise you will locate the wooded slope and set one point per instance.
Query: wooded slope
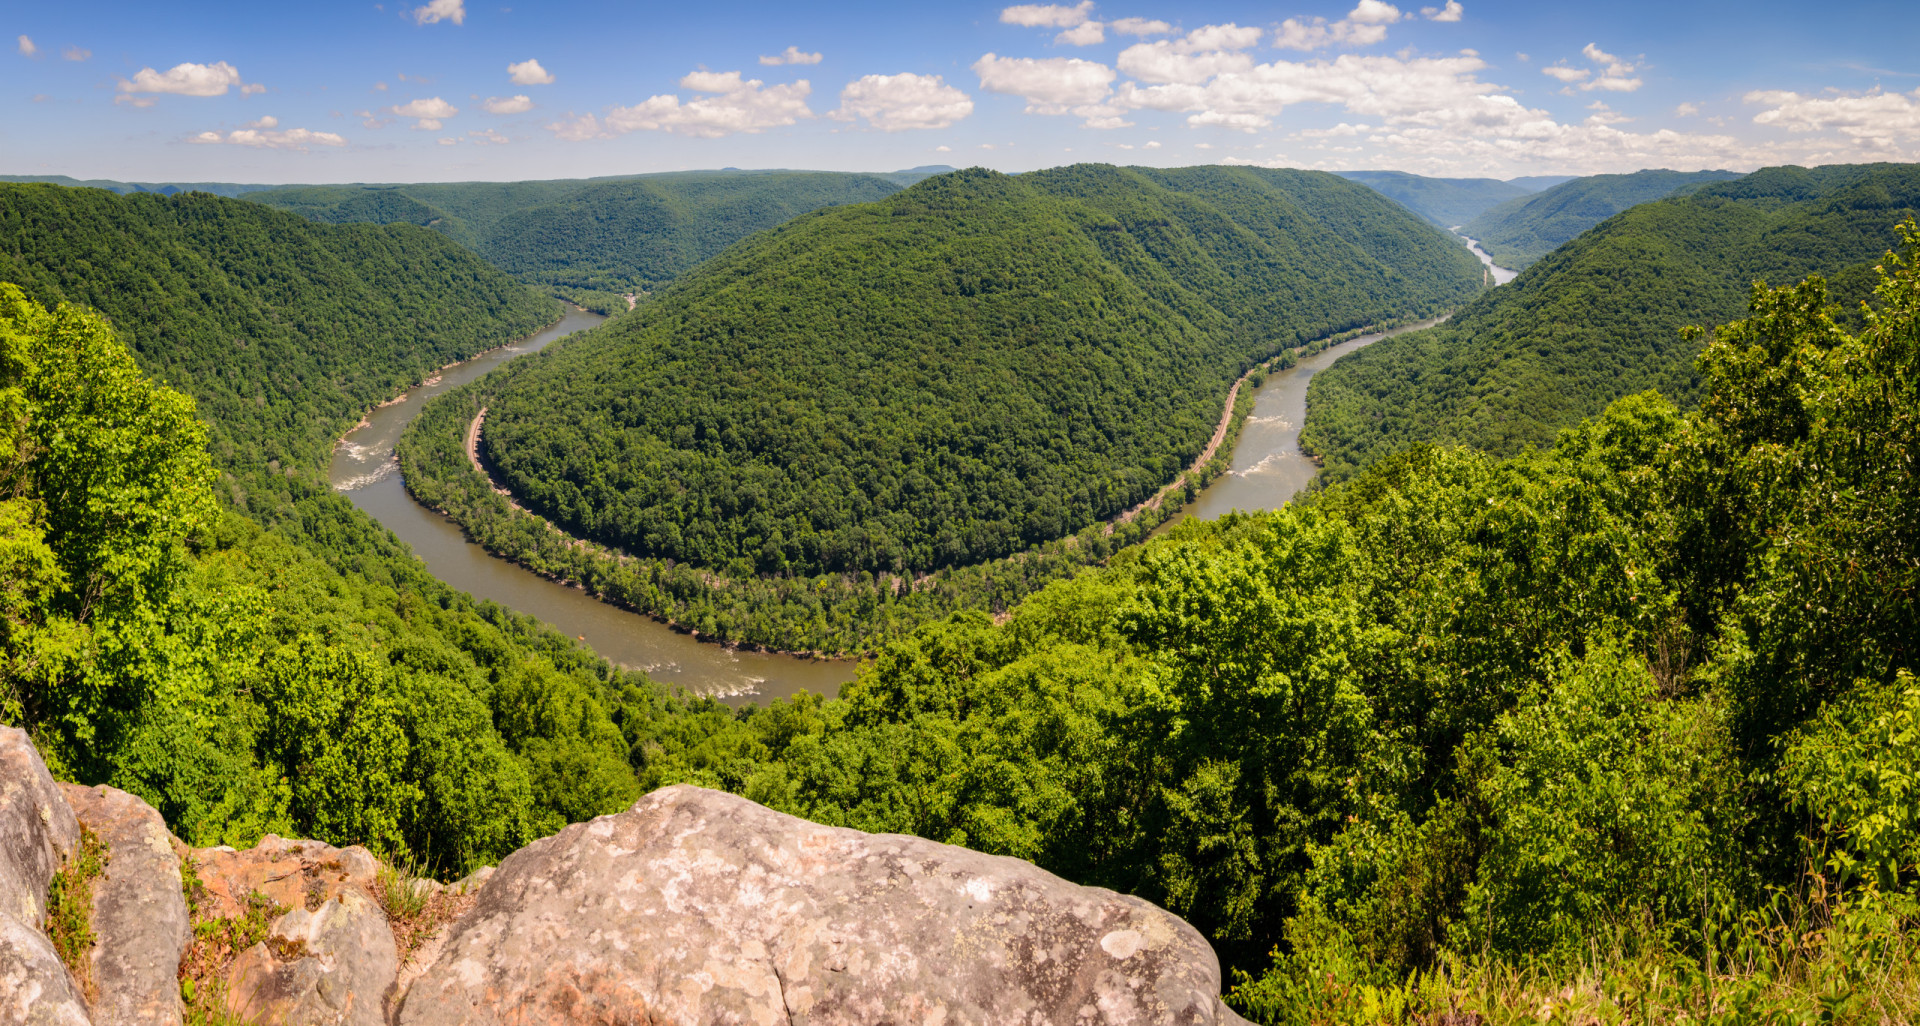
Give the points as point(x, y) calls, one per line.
point(1519, 231)
point(954, 373)
point(282, 330)
point(1600, 318)
point(593, 235)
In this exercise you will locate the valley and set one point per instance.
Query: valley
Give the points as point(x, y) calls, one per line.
point(1241, 540)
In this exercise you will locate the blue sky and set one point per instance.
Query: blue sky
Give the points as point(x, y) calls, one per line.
point(438, 90)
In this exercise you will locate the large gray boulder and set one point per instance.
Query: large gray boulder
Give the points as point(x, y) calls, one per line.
point(139, 914)
point(699, 907)
point(37, 831)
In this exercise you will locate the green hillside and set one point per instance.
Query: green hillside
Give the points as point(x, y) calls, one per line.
point(1600, 317)
point(220, 632)
point(590, 239)
point(283, 331)
point(1519, 231)
point(1445, 202)
point(953, 374)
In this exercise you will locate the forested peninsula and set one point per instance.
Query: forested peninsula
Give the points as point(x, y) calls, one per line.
point(1600, 318)
point(975, 369)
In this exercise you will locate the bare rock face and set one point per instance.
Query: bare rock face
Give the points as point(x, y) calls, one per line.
point(698, 907)
point(329, 958)
point(294, 874)
point(37, 830)
point(330, 966)
point(139, 914)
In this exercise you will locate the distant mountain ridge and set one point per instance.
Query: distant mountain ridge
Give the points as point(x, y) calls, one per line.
point(1600, 317)
point(594, 240)
point(1446, 203)
point(1519, 231)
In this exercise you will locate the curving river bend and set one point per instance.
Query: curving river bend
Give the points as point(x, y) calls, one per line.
point(365, 470)
point(1268, 469)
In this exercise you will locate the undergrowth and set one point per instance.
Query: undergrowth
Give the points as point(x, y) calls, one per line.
point(70, 909)
point(1812, 958)
point(217, 941)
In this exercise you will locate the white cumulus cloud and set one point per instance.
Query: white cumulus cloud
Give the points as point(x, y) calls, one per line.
point(734, 104)
point(487, 135)
point(1140, 26)
point(441, 10)
point(27, 49)
point(507, 104)
point(529, 72)
point(792, 55)
point(1451, 12)
point(427, 114)
point(894, 103)
point(1048, 15)
point(76, 53)
point(1365, 25)
point(1050, 85)
point(185, 80)
point(1084, 34)
point(1874, 119)
point(264, 134)
point(1616, 75)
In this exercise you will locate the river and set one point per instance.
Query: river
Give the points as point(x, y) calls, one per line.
point(365, 470)
point(1268, 469)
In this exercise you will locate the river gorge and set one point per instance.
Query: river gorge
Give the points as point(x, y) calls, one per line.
point(1268, 470)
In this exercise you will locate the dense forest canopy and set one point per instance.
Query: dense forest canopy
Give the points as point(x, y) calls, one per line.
point(224, 635)
point(1519, 231)
point(282, 330)
point(1447, 203)
point(1646, 693)
point(588, 238)
point(1600, 318)
point(952, 374)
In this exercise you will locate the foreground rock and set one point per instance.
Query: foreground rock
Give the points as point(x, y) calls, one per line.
point(329, 957)
point(139, 914)
point(37, 830)
point(699, 907)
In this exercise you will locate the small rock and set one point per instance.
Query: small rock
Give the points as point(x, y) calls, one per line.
point(295, 874)
point(139, 916)
point(700, 907)
point(328, 967)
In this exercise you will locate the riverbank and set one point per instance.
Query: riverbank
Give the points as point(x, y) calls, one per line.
point(825, 617)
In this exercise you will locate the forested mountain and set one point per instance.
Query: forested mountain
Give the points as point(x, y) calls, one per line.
point(1600, 318)
point(283, 331)
point(953, 374)
point(591, 239)
point(281, 664)
point(1446, 203)
point(228, 189)
point(1519, 231)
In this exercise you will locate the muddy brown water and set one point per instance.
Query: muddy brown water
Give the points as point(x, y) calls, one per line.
point(1268, 470)
point(365, 470)
point(1268, 467)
